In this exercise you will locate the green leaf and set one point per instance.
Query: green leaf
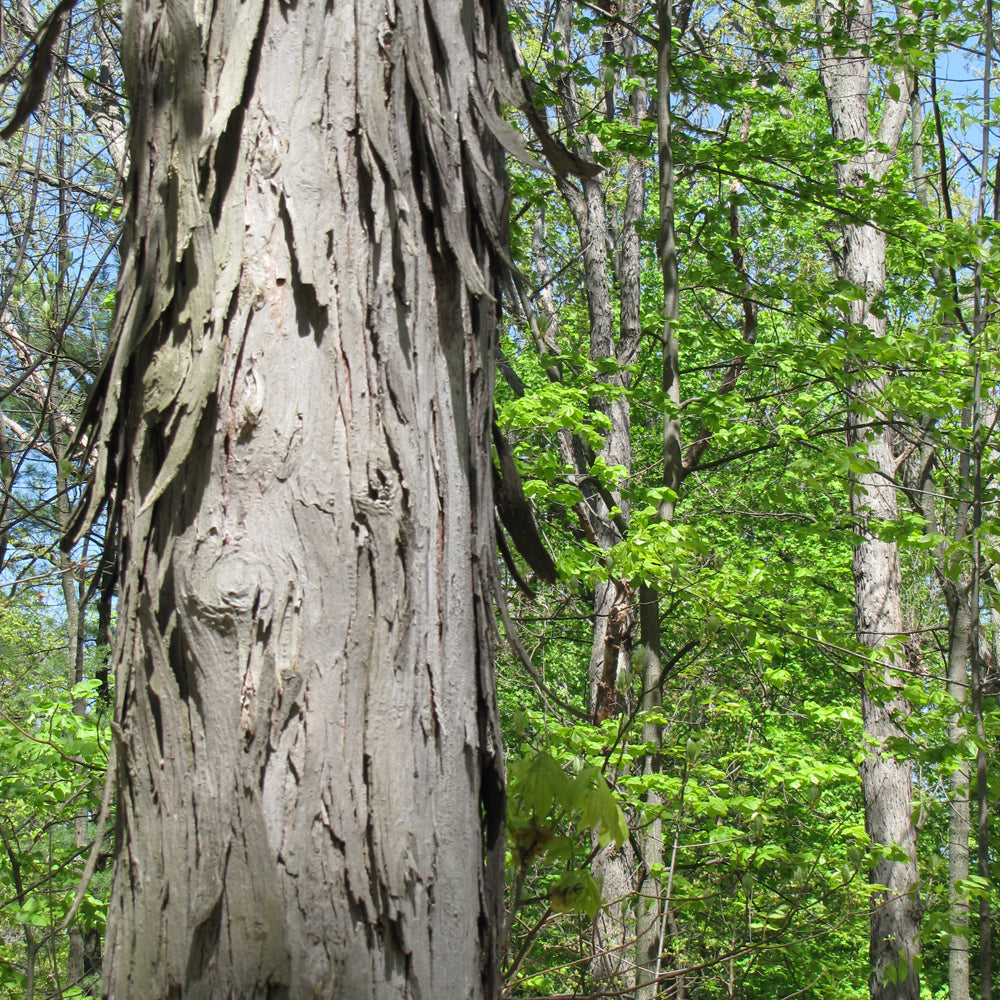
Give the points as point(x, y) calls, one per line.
point(575, 892)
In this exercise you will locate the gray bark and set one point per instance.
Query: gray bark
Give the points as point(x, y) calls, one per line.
point(885, 781)
point(297, 413)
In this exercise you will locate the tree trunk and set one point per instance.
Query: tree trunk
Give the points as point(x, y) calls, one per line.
point(614, 605)
point(982, 301)
point(982, 836)
point(961, 602)
point(650, 937)
point(310, 793)
point(959, 818)
point(614, 868)
point(886, 782)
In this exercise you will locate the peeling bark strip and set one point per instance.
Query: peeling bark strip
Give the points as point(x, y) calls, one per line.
point(296, 419)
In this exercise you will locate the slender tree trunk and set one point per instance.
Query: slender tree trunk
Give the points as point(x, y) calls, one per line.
point(6, 490)
point(982, 825)
point(310, 795)
point(961, 599)
point(983, 300)
point(75, 610)
point(650, 904)
point(885, 781)
point(958, 597)
point(615, 611)
point(588, 207)
point(959, 820)
point(982, 817)
point(75, 607)
point(651, 836)
point(614, 600)
point(983, 871)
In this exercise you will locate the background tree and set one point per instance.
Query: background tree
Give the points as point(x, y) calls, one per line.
point(59, 192)
point(800, 370)
point(887, 784)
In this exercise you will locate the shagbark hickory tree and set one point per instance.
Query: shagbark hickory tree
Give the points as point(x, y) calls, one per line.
point(296, 425)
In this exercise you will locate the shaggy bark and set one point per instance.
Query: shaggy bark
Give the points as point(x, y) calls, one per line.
point(297, 425)
point(885, 781)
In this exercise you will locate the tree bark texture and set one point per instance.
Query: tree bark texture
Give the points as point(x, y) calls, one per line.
point(886, 782)
point(297, 413)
